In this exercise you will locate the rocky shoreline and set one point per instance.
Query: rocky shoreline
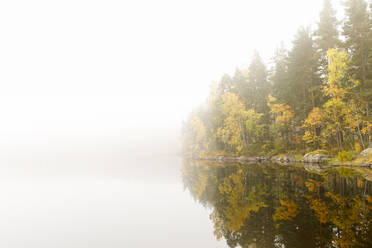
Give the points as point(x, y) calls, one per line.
point(317, 159)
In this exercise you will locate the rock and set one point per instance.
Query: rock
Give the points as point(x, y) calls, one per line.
point(313, 167)
point(243, 159)
point(285, 159)
point(262, 158)
point(366, 153)
point(315, 158)
point(220, 158)
point(230, 159)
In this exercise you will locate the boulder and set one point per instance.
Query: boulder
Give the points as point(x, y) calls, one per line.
point(366, 153)
point(315, 158)
point(220, 158)
point(313, 167)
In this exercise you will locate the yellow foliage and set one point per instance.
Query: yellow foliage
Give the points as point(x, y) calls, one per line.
point(231, 132)
point(218, 224)
point(337, 68)
point(357, 147)
point(287, 211)
point(336, 116)
point(283, 113)
point(240, 204)
point(320, 209)
point(313, 121)
point(237, 122)
point(312, 185)
point(199, 131)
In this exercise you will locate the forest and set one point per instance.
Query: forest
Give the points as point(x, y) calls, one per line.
point(317, 95)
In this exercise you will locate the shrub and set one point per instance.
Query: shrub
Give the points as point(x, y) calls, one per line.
point(344, 156)
point(319, 152)
point(357, 147)
point(279, 146)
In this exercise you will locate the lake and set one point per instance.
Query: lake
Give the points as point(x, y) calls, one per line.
point(272, 205)
point(140, 203)
point(165, 201)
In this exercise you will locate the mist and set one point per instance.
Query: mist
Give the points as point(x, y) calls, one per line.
point(80, 73)
point(93, 97)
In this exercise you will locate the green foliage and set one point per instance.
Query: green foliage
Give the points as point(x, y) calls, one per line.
point(345, 156)
point(319, 152)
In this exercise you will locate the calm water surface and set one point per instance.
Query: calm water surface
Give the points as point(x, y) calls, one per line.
point(271, 205)
point(167, 202)
point(141, 203)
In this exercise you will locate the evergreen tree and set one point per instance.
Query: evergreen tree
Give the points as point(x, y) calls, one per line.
point(304, 85)
point(279, 77)
point(226, 84)
point(258, 86)
point(357, 31)
point(327, 102)
point(240, 82)
point(326, 36)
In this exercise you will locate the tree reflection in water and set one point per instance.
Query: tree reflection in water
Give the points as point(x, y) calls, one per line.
point(271, 205)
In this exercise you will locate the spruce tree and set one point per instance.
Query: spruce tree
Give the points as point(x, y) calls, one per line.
point(258, 86)
point(279, 77)
point(357, 31)
point(225, 85)
point(327, 35)
point(304, 92)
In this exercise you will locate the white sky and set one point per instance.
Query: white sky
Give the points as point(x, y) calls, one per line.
point(72, 68)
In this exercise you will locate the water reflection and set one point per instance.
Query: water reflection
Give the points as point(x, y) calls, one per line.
point(270, 205)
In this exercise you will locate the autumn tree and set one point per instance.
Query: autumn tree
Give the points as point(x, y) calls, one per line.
point(239, 125)
point(337, 110)
point(283, 117)
point(195, 140)
point(312, 125)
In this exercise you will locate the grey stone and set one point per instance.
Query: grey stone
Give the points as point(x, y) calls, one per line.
point(313, 167)
point(367, 152)
point(285, 159)
point(315, 158)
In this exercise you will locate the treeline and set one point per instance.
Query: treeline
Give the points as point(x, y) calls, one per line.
point(317, 95)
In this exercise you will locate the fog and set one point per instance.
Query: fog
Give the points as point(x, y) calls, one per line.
point(92, 99)
point(75, 73)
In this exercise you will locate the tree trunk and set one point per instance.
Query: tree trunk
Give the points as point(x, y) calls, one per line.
point(369, 136)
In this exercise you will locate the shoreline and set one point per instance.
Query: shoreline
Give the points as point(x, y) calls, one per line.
point(282, 160)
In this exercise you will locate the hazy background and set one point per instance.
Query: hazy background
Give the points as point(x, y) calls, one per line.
point(98, 77)
point(92, 97)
